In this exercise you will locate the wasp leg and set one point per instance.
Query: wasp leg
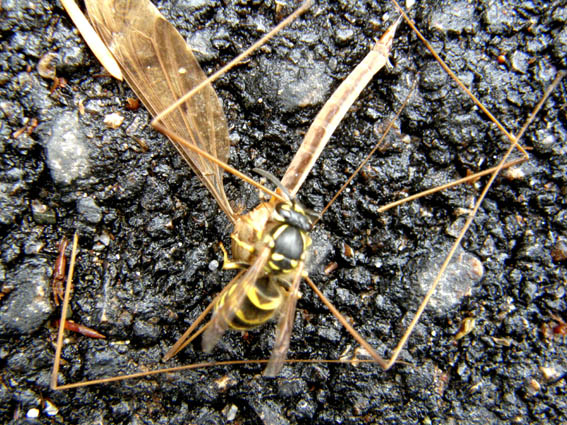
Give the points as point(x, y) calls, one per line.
point(229, 264)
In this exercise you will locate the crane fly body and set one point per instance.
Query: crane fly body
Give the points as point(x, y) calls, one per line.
point(269, 244)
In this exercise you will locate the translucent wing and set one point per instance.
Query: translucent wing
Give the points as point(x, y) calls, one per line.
point(160, 67)
point(285, 327)
point(192, 332)
point(219, 323)
point(334, 110)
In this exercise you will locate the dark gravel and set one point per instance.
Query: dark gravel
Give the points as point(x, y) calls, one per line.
point(150, 230)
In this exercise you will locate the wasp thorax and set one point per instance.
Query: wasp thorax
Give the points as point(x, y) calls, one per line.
point(289, 238)
point(282, 226)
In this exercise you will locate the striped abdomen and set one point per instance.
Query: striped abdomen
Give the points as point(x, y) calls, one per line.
point(260, 304)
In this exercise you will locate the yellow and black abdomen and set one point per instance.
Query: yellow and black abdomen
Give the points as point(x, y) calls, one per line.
point(260, 304)
point(283, 228)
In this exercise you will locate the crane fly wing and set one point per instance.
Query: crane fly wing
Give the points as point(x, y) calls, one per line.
point(285, 327)
point(233, 300)
point(334, 110)
point(160, 67)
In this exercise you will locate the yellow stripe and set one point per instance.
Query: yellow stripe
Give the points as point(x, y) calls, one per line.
point(269, 305)
point(273, 267)
point(248, 322)
point(241, 244)
point(277, 257)
point(255, 302)
point(279, 231)
point(306, 242)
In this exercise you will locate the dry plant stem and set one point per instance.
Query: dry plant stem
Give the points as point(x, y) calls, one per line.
point(64, 308)
point(334, 110)
point(92, 39)
point(233, 62)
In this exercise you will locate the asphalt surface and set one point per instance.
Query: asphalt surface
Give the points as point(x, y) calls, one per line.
point(149, 230)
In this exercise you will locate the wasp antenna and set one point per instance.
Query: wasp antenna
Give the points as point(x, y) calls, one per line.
point(275, 181)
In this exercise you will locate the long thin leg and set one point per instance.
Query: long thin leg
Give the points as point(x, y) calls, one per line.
point(64, 308)
point(387, 364)
point(189, 336)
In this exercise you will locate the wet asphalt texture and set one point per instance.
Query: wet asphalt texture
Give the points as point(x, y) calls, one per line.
point(149, 230)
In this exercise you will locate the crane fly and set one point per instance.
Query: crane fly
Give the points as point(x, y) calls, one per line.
point(204, 145)
point(269, 243)
point(157, 62)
